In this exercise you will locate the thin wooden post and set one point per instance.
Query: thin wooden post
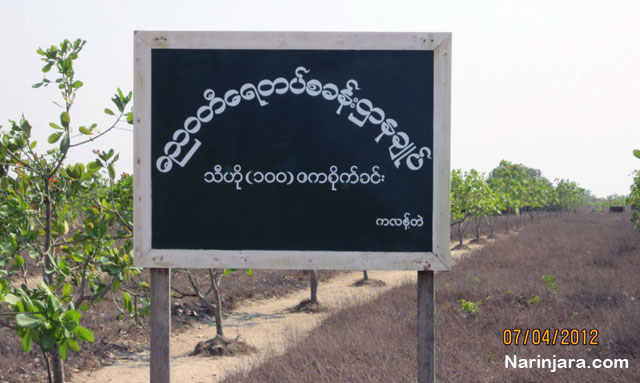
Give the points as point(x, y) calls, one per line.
point(426, 328)
point(160, 326)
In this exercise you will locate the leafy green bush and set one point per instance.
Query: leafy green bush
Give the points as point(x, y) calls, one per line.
point(68, 224)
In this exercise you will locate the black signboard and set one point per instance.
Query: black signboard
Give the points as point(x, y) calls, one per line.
point(292, 149)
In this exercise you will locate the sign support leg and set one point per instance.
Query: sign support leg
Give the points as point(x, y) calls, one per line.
point(160, 326)
point(426, 327)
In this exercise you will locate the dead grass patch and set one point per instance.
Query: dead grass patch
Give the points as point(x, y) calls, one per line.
point(594, 263)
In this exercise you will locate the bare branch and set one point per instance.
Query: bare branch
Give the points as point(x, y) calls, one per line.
point(91, 139)
point(19, 160)
point(196, 288)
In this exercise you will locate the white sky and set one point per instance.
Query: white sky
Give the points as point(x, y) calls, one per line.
point(554, 85)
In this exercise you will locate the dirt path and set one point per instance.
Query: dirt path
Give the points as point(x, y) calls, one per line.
point(265, 324)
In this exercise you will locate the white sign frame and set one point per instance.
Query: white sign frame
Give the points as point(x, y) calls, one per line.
point(145, 256)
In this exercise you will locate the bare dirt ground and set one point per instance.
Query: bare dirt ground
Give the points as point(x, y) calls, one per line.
point(265, 324)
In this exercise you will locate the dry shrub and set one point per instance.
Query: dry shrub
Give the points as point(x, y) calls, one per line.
point(594, 262)
point(308, 306)
point(369, 282)
point(221, 346)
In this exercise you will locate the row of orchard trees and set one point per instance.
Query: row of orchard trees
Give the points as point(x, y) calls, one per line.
point(509, 189)
point(634, 195)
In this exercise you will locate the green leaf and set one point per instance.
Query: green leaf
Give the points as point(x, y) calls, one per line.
point(47, 341)
point(109, 111)
point(53, 138)
point(63, 350)
point(636, 153)
point(28, 320)
point(33, 145)
point(73, 345)
point(13, 242)
point(42, 285)
point(67, 289)
point(40, 306)
point(65, 119)
point(94, 166)
point(112, 172)
point(64, 145)
point(127, 301)
point(76, 84)
point(228, 271)
point(72, 315)
point(26, 341)
point(86, 131)
point(84, 333)
point(54, 126)
point(249, 272)
point(19, 306)
point(36, 85)
point(115, 286)
point(47, 67)
point(84, 307)
point(11, 299)
point(18, 262)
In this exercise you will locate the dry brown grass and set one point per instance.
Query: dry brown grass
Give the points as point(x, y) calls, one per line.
point(596, 264)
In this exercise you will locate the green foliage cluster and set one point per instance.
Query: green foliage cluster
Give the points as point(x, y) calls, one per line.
point(509, 188)
point(634, 196)
point(550, 281)
point(466, 305)
point(634, 199)
point(65, 229)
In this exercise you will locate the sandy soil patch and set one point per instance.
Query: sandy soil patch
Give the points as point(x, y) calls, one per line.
point(267, 325)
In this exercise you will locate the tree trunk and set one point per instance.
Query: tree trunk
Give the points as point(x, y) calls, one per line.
point(490, 220)
point(313, 275)
point(57, 366)
point(460, 232)
point(478, 222)
point(215, 280)
point(507, 228)
point(216, 308)
point(365, 276)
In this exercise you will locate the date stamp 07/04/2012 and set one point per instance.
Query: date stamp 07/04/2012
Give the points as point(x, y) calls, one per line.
point(551, 337)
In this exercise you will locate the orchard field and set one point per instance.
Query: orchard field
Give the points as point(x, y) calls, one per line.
point(71, 298)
